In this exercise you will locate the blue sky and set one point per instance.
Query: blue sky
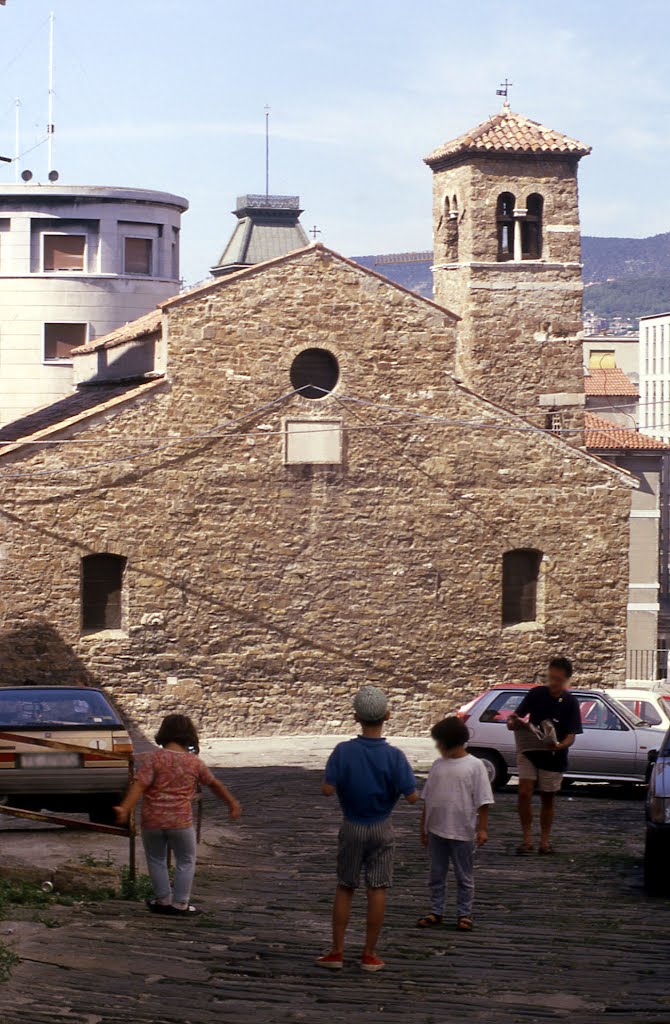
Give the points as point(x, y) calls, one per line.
point(169, 94)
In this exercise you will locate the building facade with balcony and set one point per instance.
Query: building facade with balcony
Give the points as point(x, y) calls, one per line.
point(76, 262)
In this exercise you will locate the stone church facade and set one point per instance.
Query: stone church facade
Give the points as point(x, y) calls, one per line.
point(299, 493)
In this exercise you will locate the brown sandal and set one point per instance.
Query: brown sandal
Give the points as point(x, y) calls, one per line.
point(429, 921)
point(524, 850)
point(465, 924)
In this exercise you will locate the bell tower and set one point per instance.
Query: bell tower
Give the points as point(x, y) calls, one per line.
point(508, 262)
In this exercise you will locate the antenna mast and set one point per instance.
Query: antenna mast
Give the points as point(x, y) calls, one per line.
point(50, 115)
point(267, 151)
point(17, 139)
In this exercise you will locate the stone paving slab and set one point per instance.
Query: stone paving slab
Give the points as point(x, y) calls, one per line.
point(566, 938)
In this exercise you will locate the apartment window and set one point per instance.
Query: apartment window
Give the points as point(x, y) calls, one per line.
point(531, 228)
point(602, 359)
point(521, 574)
point(137, 255)
point(60, 339)
point(505, 226)
point(63, 252)
point(314, 372)
point(102, 592)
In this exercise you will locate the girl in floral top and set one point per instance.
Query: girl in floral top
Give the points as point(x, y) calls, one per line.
point(166, 783)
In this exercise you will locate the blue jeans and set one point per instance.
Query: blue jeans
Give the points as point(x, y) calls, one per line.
point(460, 854)
point(157, 842)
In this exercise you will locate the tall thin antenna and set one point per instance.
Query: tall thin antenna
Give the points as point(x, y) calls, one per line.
point(17, 139)
point(267, 150)
point(50, 115)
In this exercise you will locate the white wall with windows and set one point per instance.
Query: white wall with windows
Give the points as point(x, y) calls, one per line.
point(76, 262)
point(655, 375)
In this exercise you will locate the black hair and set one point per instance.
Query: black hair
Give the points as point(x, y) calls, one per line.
point(563, 664)
point(450, 732)
point(178, 729)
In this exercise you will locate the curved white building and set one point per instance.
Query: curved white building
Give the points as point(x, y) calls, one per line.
point(76, 262)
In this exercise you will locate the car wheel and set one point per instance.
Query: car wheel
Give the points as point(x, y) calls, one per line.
point(101, 812)
point(656, 881)
point(496, 769)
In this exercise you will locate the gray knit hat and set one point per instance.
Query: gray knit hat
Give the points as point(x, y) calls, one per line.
point(370, 704)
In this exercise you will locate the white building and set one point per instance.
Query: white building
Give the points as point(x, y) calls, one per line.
point(655, 375)
point(76, 262)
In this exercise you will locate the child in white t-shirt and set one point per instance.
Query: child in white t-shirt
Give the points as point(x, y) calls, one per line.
point(456, 799)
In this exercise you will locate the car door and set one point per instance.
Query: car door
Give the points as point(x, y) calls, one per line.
point(607, 746)
point(490, 729)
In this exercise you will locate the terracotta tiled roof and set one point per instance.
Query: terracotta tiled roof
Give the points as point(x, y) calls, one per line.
point(146, 325)
point(610, 382)
point(75, 409)
point(603, 435)
point(508, 132)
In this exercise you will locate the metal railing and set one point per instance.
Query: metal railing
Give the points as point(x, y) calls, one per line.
point(647, 665)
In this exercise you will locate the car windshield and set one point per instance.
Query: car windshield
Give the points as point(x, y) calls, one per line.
point(627, 715)
point(40, 707)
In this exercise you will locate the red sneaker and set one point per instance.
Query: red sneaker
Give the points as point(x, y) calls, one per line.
point(371, 963)
point(334, 961)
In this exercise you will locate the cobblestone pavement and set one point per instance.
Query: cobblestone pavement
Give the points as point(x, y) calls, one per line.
point(572, 936)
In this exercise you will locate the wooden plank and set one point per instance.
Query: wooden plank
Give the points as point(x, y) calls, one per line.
point(56, 819)
point(99, 755)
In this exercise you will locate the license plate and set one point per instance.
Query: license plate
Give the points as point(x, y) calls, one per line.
point(50, 760)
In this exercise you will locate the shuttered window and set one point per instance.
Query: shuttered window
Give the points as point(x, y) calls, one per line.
point(102, 592)
point(137, 256)
point(60, 339)
point(521, 571)
point(64, 252)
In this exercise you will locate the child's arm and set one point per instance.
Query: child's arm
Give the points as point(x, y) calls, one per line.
point(328, 790)
point(422, 827)
point(413, 797)
point(482, 825)
point(234, 808)
point(129, 802)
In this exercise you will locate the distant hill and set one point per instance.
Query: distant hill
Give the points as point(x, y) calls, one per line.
point(624, 277)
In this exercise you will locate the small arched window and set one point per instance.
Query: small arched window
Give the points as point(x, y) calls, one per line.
point(531, 228)
point(521, 574)
point(102, 592)
point(505, 225)
point(454, 207)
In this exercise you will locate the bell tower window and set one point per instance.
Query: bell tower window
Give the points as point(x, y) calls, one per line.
point(531, 228)
point(505, 226)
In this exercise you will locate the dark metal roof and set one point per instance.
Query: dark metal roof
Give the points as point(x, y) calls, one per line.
point(267, 227)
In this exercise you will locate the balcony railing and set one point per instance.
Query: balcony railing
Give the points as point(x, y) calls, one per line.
point(647, 665)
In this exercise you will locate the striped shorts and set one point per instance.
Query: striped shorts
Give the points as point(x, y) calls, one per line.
point(368, 849)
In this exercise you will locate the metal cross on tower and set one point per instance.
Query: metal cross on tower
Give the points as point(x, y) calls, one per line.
point(504, 89)
point(314, 232)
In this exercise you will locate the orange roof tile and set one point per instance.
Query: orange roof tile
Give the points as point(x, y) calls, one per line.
point(508, 132)
point(604, 435)
point(612, 381)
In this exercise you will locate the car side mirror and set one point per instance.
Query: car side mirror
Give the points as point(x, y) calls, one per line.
point(652, 756)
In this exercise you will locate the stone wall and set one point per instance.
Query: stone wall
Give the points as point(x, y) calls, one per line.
point(259, 595)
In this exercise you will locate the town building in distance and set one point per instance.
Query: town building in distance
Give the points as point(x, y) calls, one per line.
point(76, 262)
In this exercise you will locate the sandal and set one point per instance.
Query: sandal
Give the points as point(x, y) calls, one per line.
point(546, 851)
point(429, 921)
point(524, 850)
point(190, 910)
point(156, 907)
point(464, 924)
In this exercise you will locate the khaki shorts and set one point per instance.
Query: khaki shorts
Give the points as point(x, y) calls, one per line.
point(547, 782)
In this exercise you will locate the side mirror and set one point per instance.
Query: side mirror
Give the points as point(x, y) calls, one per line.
point(652, 756)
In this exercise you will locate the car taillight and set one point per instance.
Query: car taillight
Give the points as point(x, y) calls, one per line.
point(122, 745)
point(463, 715)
